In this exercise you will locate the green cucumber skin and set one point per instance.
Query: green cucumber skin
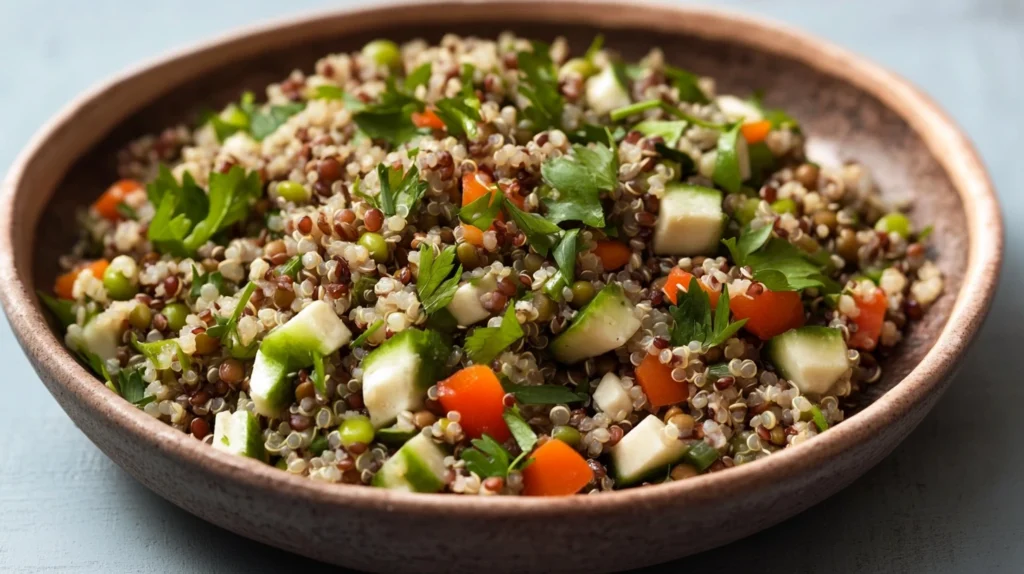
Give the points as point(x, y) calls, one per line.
point(431, 346)
point(254, 447)
point(610, 295)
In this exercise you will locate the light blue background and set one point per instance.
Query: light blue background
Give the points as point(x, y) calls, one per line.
point(948, 500)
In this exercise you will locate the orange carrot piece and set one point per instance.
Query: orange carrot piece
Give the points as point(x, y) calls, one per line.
point(427, 119)
point(106, 204)
point(679, 279)
point(65, 284)
point(869, 321)
point(476, 394)
point(613, 254)
point(770, 313)
point(656, 380)
point(755, 132)
point(557, 470)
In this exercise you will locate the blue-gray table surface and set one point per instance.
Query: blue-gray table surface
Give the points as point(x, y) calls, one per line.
point(948, 500)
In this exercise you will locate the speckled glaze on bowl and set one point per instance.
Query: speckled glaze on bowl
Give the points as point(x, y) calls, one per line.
point(851, 108)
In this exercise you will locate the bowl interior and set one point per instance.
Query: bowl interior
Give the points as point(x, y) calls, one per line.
point(844, 123)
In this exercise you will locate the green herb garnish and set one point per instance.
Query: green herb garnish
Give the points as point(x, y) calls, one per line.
point(390, 119)
point(290, 268)
point(540, 233)
point(227, 329)
point(777, 263)
point(319, 376)
point(687, 83)
point(246, 116)
point(565, 255)
point(819, 418)
point(484, 344)
point(539, 85)
point(694, 320)
point(625, 111)
point(727, 173)
point(487, 458)
point(461, 114)
point(686, 163)
point(129, 384)
point(482, 211)
point(520, 429)
point(126, 211)
point(365, 335)
point(543, 394)
point(436, 282)
point(186, 218)
point(578, 181)
point(62, 309)
point(397, 188)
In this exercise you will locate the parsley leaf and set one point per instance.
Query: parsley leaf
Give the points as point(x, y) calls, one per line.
point(539, 85)
point(328, 92)
point(62, 309)
point(484, 344)
point(246, 116)
point(418, 77)
point(543, 394)
point(365, 335)
point(435, 283)
point(722, 328)
point(520, 429)
point(460, 115)
point(178, 207)
point(226, 329)
point(290, 267)
point(487, 458)
point(186, 218)
point(579, 180)
point(694, 321)
point(264, 123)
point(692, 315)
point(687, 84)
point(230, 196)
point(749, 241)
point(565, 255)
point(319, 376)
point(126, 211)
point(540, 233)
point(199, 280)
point(132, 387)
point(482, 211)
point(397, 189)
point(777, 263)
point(390, 119)
point(727, 165)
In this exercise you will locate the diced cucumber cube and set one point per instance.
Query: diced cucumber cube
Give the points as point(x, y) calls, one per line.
point(465, 305)
point(814, 358)
point(644, 450)
point(397, 374)
point(417, 467)
point(239, 433)
point(605, 324)
point(690, 221)
point(314, 330)
point(605, 92)
point(612, 398)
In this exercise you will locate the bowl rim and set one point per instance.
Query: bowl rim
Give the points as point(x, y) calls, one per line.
point(950, 147)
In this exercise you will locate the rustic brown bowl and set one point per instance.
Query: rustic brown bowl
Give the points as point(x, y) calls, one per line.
point(851, 108)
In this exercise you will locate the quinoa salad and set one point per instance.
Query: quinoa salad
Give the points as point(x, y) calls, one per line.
point(491, 267)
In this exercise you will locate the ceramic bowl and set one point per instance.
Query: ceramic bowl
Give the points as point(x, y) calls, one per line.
point(851, 109)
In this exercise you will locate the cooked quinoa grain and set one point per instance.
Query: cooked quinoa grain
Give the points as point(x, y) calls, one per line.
point(491, 267)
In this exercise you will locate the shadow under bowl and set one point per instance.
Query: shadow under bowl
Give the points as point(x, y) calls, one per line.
point(850, 108)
